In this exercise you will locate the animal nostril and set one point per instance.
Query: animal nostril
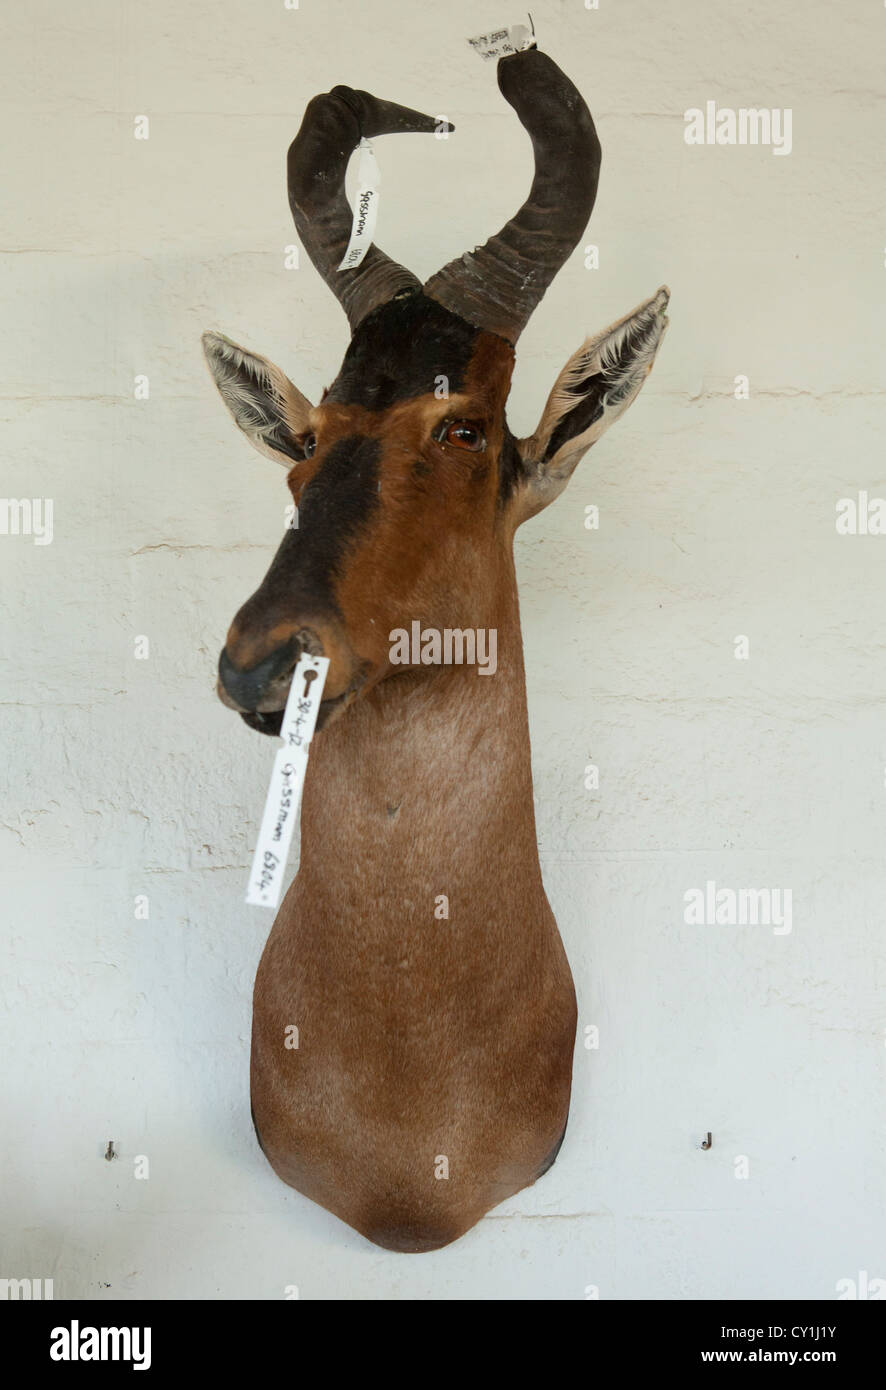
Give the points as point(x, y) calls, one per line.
point(249, 688)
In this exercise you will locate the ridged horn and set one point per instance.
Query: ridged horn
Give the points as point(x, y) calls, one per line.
point(497, 286)
point(333, 125)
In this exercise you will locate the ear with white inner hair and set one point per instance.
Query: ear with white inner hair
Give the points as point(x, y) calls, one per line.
point(270, 411)
point(595, 387)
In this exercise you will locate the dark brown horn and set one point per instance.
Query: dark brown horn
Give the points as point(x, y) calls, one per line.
point(332, 128)
point(498, 285)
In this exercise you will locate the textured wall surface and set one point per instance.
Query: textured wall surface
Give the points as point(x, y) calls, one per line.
point(126, 777)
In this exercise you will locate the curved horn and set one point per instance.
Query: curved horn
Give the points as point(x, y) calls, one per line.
point(332, 127)
point(498, 285)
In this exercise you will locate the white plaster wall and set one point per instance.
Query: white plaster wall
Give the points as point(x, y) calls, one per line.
point(127, 777)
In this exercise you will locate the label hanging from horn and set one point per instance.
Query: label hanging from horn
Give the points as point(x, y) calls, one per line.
point(365, 208)
point(287, 781)
point(501, 42)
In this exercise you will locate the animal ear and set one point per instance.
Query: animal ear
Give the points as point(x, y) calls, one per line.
point(595, 387)
point(261, 398)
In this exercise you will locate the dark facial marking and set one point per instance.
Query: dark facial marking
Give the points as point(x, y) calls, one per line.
point(511, 469)
point(400, 349)
point(333, 507)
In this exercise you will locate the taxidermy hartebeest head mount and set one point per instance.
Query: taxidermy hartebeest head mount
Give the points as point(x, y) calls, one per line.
point(415, 954)
point(403, 496)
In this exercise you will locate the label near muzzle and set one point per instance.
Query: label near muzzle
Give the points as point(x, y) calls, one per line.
point(287, 782)
point(365, 208)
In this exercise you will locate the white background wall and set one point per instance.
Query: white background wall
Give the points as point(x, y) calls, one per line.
point(127, 777)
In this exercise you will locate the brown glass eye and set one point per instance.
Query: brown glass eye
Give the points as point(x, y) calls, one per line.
point(309, 445)
point(463, 435)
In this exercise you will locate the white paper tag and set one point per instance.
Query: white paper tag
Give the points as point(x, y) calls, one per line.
point(303, 700)
point(501, 42)
point(287, 781)
point(277, 825)
point(365, 208)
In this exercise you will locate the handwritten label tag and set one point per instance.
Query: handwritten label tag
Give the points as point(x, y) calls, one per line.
point(277, 825)
point(365, 208)
point(516, 39)
point(287, 781)
point(303, 701)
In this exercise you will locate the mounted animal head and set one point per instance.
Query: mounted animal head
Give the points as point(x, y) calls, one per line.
point(407, 480)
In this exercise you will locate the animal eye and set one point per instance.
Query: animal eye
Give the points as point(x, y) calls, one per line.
point(462, 434)
point(309, 445)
